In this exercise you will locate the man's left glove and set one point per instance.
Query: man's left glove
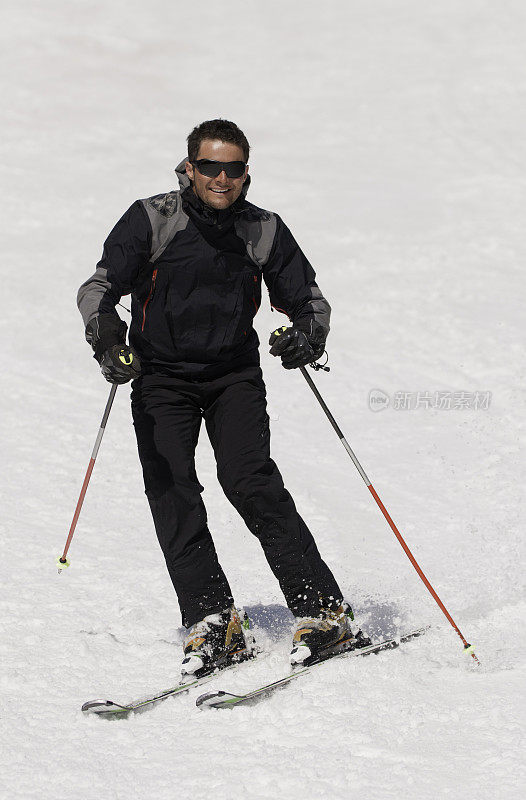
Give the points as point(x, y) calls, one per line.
point(293, 346)
point(119, 363)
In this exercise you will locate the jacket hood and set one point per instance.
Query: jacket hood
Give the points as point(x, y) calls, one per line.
point(184, 180)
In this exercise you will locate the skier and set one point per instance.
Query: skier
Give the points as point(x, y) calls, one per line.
point(193, 261)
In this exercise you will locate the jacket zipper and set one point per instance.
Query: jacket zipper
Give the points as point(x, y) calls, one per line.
point(152, 289)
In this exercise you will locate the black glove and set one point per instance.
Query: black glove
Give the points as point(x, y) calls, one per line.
point(120, 364)
point(293, 347)
point(118, 361)
point(315, 333)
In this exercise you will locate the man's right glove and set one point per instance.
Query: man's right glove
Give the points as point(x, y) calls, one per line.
point(119, 363)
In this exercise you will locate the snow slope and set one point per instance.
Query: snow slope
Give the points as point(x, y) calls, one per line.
point(390, 137)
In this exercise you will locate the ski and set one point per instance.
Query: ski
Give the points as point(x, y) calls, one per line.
point(110, 709)
point(222, 699)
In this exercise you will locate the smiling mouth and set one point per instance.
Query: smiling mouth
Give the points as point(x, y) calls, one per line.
point(220, 191)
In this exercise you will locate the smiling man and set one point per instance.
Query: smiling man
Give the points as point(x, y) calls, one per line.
point(218, 183)
point(193, 261)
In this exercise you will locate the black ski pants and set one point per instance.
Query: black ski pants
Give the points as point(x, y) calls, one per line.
point(167, 413)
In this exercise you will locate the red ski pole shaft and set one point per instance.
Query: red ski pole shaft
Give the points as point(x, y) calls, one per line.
point(63, 562)
point(467, 647)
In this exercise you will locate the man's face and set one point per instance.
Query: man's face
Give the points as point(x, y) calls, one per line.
point(222, 191)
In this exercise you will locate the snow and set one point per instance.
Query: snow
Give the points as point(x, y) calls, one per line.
point(390, 137)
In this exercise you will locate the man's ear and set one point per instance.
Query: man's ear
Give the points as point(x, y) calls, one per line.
point(189, 170)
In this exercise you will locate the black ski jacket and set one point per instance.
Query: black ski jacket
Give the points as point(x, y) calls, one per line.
point(194, 275)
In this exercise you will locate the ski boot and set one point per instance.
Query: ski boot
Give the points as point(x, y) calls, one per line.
point(215, 642)
point(318, 638)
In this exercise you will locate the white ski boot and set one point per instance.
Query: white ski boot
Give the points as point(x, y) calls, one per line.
point(325, 634)
point(217, 641)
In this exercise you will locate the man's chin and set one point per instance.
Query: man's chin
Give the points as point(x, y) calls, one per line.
point(216, 200)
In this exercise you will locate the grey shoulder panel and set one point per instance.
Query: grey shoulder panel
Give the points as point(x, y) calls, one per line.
point(320, 308)
point(166, 215)
point(91, 294)
point(257, 228)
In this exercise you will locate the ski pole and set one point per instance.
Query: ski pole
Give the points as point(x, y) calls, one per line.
point(63, 562)
point(468, 648)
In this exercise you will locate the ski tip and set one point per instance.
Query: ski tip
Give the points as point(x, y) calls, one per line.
point(218, 699)
point(103, 707)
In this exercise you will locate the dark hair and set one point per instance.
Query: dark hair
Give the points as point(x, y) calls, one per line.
point(221, 129)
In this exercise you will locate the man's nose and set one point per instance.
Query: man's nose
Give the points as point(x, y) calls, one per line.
point(222, 177)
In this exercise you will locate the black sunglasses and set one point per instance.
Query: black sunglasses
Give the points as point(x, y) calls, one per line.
point(211, 169)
